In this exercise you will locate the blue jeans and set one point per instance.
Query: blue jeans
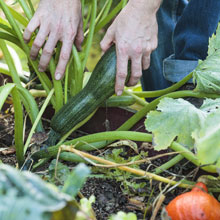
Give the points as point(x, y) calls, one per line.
point(184, 31)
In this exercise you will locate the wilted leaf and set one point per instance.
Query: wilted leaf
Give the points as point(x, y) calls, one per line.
point(174, 118)
point(207, 73)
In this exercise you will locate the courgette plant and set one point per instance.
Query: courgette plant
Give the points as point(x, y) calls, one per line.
point(193, 143)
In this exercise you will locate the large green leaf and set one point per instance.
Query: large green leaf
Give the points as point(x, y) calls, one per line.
point(207, 73)
point(174, 118)
point(210, 105)
point(24, 196)
point(207, 139)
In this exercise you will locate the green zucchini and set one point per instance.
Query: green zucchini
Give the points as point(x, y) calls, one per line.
point(100, 87)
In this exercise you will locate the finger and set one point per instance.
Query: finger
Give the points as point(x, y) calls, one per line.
point(32, 26)
point(146, 61)
point(122, 66)
point(64, 58)
point(48, 52)
point(39, 41)
point(136, 71)
point(80, 36)
point(108, 39)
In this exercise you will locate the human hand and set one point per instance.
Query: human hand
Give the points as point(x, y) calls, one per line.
point(58, 21)
point(134, 31)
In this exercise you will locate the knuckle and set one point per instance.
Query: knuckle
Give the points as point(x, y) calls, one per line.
point(121, 75)
point(70, 34)
point(37, 44)
point(47, 52)
point(123, 49)
point(138, 49)
point(64, 56)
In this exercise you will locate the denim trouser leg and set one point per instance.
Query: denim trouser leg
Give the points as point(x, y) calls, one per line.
point(167, 16)
point(198, 22)
point(182, 43)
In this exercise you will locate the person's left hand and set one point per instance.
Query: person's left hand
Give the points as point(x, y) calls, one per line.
point(134, 31)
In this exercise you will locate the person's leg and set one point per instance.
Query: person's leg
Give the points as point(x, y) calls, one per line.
point(167, 16)
point(198, 22)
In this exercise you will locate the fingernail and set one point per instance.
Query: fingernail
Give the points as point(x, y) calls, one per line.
point(57, 76)
point(119, 93)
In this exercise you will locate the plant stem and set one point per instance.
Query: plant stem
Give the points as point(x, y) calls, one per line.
point(152, 105)
point(25, 8)
point(82, 143)
point(158, 93)
point(78, 73)
point(111, 15)
point(31, 6)
point(168, 164)
point(138, 99)
point(91, 33)
point(107, 9)
point(86, 20)
point(57, 87)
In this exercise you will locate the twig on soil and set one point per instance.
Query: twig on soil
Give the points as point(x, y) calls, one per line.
point(138, 172)
point(158, 206)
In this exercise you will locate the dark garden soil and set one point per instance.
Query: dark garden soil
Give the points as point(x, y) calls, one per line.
point(111, 195)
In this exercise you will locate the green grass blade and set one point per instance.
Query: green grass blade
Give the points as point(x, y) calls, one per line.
point(9, 61)
point(90, 34)
point(18, 118)
point(37, 119)
point(10, 38)
point(18, 17)
point(31, 107)
point(111, 15)
point(26, 9)
point(4, 92)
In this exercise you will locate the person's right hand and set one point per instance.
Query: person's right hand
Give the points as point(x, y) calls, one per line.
point(57, 21)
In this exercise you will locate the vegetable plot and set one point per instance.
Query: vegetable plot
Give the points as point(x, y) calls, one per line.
point(172, 123)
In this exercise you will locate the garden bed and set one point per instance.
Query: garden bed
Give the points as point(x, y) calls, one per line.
point(112, 195)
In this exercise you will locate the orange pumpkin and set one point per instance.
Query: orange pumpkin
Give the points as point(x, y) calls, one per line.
point(194, 205)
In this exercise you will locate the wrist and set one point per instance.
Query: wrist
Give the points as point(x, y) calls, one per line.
point(149, 4)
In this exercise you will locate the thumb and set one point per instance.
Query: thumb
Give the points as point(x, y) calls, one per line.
point(108, 39)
